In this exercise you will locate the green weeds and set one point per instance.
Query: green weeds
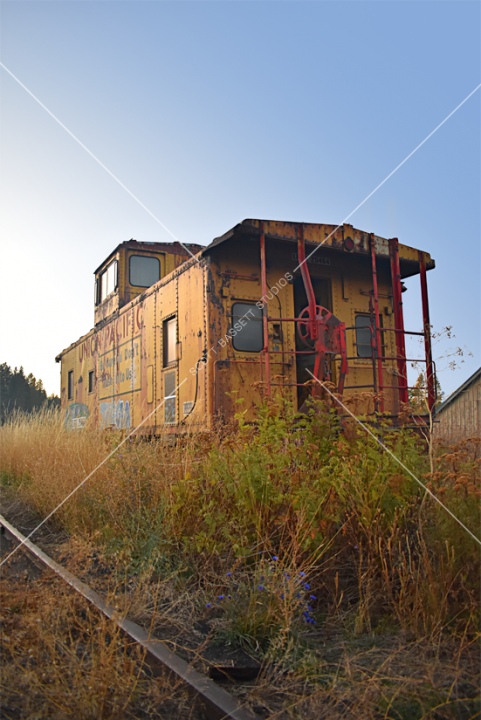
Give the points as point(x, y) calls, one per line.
point(379, 556)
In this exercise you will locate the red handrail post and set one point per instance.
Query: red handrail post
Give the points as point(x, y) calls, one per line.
point(265, 349)
point(398, 320)
point(427, 333)
point(378, 331)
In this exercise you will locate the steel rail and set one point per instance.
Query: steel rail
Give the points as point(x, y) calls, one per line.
point(217, 703)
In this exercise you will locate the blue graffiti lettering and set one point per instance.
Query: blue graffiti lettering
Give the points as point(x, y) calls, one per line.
point(115, 413)
point(76, 416)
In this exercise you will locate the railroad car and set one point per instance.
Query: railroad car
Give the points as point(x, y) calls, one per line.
point(181, 332)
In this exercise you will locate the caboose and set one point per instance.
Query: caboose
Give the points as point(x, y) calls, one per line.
point(181, 332)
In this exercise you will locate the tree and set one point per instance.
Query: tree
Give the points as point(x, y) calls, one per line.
point(20, 392)
point(418, 395)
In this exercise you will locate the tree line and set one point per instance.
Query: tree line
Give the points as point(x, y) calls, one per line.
point(24, 393)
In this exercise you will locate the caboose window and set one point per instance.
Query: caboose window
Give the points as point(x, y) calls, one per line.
point(170, 339)
point(169, 397)
point(144, 271)
point(363, 336)
point(70, 385)
point(108, 280)
point(247, 335)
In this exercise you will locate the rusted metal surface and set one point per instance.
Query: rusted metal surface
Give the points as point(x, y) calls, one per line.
point(119, 371)
point(311, 298)
point(217, 703)
point(330, 236)
point(253, 278)
point(170, 256)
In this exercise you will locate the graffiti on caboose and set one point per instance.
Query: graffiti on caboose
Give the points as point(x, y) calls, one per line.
point(76, 416)
point(119, 370)
point(115, 413)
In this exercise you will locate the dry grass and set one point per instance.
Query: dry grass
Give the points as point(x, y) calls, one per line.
point(47, 464)
point(394, 582)
point(61, 658)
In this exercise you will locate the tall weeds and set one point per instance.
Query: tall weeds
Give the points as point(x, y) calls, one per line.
point(322, 498)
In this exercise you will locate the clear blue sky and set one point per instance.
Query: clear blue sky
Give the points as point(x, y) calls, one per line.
point(211, 112)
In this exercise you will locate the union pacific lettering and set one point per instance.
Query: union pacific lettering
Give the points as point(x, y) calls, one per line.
point(113, 333)
point(88, 348)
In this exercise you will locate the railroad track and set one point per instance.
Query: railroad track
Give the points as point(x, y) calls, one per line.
point(215, 702)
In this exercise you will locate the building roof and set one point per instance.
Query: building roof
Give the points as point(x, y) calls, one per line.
point(475, 376)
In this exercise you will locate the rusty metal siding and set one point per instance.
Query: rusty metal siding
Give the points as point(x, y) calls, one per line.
point(170, 256)
point(234, 276)
point(121, 349)
point(125, 349)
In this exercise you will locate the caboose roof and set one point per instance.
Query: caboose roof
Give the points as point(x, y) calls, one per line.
point(331, 237)
point(174, 247)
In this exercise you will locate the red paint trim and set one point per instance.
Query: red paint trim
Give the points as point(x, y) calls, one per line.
point(376, 314)
point(427, 333)
point(265, 350)
point(398, 320)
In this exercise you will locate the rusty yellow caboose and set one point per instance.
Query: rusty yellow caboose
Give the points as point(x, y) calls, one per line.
point(181, 331)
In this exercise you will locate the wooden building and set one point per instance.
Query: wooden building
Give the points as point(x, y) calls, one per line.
point(459, 416)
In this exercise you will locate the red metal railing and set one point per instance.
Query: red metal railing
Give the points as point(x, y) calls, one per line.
point(377, 332)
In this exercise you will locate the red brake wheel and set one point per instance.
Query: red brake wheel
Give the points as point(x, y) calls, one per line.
point(303, 326)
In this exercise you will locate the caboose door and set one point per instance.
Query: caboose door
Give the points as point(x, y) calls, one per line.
point(306, 362)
